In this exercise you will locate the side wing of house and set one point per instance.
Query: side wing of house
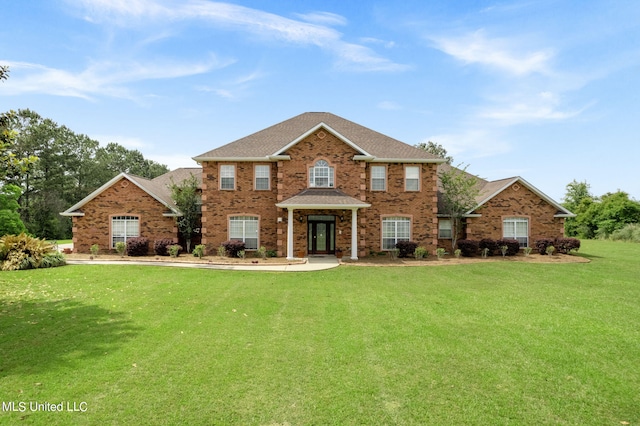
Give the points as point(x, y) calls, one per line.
point(515, 209)
point(125, 207)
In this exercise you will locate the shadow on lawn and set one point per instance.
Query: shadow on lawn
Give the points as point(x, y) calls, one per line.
point(39, 335)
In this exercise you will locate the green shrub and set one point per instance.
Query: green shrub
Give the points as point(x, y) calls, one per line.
point(261, 252)
point(199, 250)
point(630, 233)
point(272, 253)
point(53, 260)
point(174, 250)
point(527, 251)
point(95, 249)
point(121, 247)
point(549, 250)
point(457, 253)
point(420, 253)
point(22, 252)
point(489, 244)
point(440, 252)
point(222, 251)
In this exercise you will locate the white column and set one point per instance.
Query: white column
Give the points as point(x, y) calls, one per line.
point(290, 233)
point(354, 234)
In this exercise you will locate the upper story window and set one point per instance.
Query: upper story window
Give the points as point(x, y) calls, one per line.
point(227, 176)
point(378, 178)
point(262, 177)
point(412, 178)
point(321, 175)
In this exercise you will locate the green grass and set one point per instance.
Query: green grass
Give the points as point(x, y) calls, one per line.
point(489, 343)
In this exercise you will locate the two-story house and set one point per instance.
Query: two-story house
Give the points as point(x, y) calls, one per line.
point(314, 184)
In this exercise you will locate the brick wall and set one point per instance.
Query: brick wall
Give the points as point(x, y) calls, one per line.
point(122, 198)
point(516, 201)
point(290, 177)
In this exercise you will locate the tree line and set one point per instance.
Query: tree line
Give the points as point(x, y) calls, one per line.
point(50, 168)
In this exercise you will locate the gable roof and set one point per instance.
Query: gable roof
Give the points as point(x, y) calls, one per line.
point(158, 188)
point(489, 189)
point(272, 143)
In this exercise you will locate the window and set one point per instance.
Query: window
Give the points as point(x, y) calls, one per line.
point(516, 228)
point(412, 178)
point(444, 228)
point(262, 177)
point(321, 175)
point(395, 229)
point(244, 228)
point(227, 176)
point(123, 228)
point(378, 178)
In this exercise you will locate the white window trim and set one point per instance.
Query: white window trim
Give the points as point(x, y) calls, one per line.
point(396, 220)
point(225, 175)
point(443, 228)
point(382, 178)
point(324, 164)
point(244, 219)
point(128, 231)
point(256, 177)
point(407, 179)
point(514, 220)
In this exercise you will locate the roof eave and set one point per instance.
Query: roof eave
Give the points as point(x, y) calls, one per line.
point(268, 158)
point(322, 206)
point(407, 160)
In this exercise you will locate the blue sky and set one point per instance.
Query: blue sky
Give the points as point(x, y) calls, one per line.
point(546, 90)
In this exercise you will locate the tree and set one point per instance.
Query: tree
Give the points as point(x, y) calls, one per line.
point(9, 161)
point(10, 223)
point(187, 198)
point(435, 149)
point(577, 200)
point(459, 193)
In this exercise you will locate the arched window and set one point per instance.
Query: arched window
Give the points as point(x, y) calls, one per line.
point(321, 175)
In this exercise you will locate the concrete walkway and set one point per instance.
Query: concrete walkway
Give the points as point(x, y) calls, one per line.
point(312, 264)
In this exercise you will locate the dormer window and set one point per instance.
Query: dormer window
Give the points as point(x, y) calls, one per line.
point(321, 175)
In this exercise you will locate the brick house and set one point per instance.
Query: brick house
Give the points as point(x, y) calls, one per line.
point(318, 184)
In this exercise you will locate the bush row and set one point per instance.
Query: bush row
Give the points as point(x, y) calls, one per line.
point(472, 247)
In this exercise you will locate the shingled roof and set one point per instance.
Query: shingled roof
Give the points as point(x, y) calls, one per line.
point(272, 143)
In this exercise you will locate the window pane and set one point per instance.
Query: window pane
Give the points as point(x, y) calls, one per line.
point(516, 228)
point(378, 178)
point(412, 178)
point(444, 228)
point(321, 175)
point(262, 177)
point(244, 228)
point(395, 229)
point(227, 176)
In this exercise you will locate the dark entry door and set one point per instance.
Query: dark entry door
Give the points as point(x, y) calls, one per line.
point(321, 236)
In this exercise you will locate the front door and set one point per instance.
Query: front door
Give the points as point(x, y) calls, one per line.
point(321, 235)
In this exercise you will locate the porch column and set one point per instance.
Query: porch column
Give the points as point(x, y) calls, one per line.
point(290, 233)
point(354, 234)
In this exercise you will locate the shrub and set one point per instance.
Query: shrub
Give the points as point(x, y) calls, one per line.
point(406, 248)
point(542, 244)
point(94, 249)
point(457, 253)
point(222, 251)
point(630, 233)
point(199, 250)
point(420, 253)
point(272, 253)
point(468, 248)
point(121, 247)
point(566, 245)
point(491, 245)
point(440, 252)
point(550, 250)
point(22, 252)
point(233, 247)
point(174, 250)
point(527, 251)
point(53, 260)
point(161, 247)
point(261, 252)
point(138, 246)
point(513, 246)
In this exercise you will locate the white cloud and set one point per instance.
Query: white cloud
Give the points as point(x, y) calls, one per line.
point(323, 18)
point(472, 143)
point(240, 18)
point(100, 78)
point(502, 54)
point(389, 105)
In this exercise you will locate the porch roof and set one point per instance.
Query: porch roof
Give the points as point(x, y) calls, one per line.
point(322, 198)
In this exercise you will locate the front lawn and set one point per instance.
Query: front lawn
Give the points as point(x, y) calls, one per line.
point(485, 343)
